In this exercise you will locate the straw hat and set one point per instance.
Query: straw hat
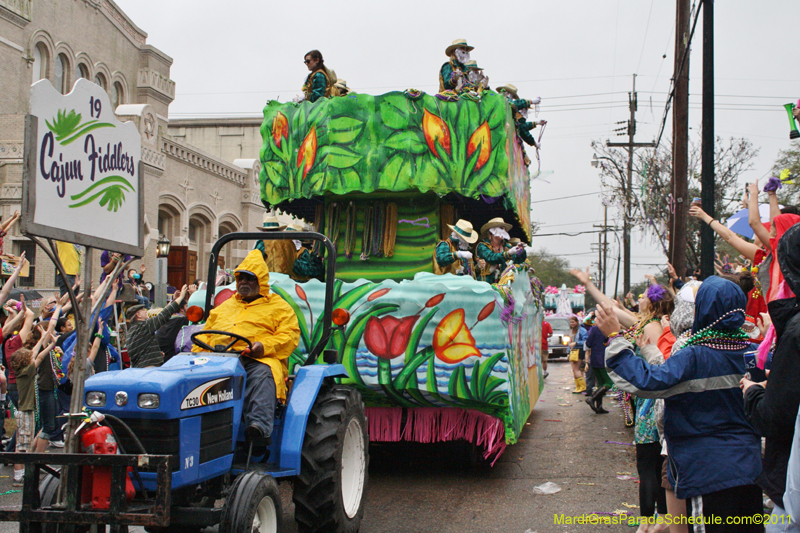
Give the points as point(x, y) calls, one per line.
point(342, 84)
point(510, 89)
point(495, 223)
point(472, 64)
point(514, 240)
point(458, 43)
point(294, 226)
point(271, 223)
point(464, 229)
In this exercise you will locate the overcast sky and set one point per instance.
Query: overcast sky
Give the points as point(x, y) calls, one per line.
point(579, 56)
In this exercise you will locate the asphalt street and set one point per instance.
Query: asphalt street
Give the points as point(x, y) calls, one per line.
point(436, 488)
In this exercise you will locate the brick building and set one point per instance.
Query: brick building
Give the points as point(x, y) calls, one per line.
point(191, 195)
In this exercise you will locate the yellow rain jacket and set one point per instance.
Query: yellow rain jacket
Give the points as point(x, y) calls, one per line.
point(268, 320)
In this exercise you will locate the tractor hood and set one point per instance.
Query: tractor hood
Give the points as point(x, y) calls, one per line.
point(186, 385)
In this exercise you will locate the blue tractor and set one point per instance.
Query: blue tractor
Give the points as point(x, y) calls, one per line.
point(188, 414)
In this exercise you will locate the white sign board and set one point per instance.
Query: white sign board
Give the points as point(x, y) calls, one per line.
point(82, 182)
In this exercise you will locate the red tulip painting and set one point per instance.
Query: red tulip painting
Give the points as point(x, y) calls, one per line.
point(387, 337)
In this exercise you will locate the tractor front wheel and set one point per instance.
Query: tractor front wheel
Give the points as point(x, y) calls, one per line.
point(254, 505)
point(329, 492)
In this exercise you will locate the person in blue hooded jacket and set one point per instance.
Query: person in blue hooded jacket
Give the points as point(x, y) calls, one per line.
point(714, 451)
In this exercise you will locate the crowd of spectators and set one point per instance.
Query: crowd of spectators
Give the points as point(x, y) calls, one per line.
point(710, 367)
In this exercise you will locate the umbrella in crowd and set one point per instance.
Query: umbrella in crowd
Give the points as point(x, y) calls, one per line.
point(737, 222)
point(29, 294)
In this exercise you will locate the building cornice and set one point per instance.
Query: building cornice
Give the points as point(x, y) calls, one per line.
point(17, 12)
point(207, 162)
point(120, 19)
point(205, 122)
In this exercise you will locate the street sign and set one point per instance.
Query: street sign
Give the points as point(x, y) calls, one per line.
point(83, 183)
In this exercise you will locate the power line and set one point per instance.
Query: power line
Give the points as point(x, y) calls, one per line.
point(566, 197)
point(678, 74)
point(566, 234)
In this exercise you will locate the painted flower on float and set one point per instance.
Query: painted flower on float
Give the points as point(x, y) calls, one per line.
point(580, 289)
point(435, 130)
point(280, 129)
point(551, 290)
point(452, 340)
point(482, 138)
point(387, 337)
point(308, 151)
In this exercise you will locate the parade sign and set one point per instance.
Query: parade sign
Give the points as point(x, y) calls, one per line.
point(83, 184)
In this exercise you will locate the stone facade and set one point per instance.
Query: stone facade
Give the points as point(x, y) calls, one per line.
point(192, 195)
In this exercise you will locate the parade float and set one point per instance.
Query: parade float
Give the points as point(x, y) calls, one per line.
point(435, 357)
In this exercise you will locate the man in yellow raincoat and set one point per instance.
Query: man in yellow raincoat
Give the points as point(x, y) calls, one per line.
point(270, 324)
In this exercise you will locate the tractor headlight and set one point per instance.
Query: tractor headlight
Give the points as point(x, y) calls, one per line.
point(121, 398)
point(148, 400)
point(95, 399)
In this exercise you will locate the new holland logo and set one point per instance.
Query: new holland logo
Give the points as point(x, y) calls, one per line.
point(209, 393)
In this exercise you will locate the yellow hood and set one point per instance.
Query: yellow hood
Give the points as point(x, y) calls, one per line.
point(255, 265)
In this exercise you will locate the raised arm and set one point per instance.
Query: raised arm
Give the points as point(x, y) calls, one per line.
point(9, 284)
point(28, 324)
point(754, 216)
point(10, 222)
point(112, 296)
point(747, 249)
point(12, 323)
point(626, 318)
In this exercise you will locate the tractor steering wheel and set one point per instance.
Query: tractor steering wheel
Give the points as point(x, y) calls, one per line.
point(219, 348)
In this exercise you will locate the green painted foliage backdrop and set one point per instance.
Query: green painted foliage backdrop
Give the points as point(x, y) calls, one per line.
point(392, 142)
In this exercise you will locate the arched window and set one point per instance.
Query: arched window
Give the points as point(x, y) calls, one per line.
point(82, 71)
point(100, 80)
point(61, 74)
point(117, 95)
point(39, 62)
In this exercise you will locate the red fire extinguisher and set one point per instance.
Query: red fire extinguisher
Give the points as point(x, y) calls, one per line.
point(96, 482)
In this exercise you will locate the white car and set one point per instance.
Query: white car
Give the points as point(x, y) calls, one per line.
point(558, 342)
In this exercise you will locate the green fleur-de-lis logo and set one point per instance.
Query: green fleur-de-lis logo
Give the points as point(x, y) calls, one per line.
point(67, 127)
point(110, 191)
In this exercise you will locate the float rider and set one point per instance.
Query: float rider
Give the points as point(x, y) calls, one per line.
point(452, 256)
point(306, 264)
point(493, 252)
point(280, 253)
point(319, 82)
point(475, 79)
point(452, 73)
point(270, 324)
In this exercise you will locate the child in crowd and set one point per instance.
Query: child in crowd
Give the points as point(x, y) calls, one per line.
point(25, 362)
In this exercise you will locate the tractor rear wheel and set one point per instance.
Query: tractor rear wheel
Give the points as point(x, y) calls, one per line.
point(329, 492)
point(254, 505)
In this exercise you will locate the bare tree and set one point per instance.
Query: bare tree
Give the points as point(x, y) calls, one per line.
point(651, 200)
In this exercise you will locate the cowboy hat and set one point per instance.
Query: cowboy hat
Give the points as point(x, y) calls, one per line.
point(472, 64)
point(464, 229)
point(514, 240)
point(495, 223)
point(510, 89)
point(271, 223)
point(294, 226)
point(458, 43)
point(131, 312)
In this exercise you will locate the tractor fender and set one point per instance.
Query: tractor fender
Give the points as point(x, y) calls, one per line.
point(304, 393)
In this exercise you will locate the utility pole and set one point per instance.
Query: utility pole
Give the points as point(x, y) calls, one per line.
point(707, 145)
point(605, 245)
point(603, 249)
point(680, 140)
point(626, 222)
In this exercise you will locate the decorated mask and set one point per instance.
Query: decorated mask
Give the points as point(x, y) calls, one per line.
point(462, 56)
